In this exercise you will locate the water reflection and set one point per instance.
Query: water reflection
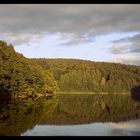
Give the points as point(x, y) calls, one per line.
point(83, 109)
point(71, 115)
point(70, 130)
point(19, 116)
point(129, 128)
point(94, 129)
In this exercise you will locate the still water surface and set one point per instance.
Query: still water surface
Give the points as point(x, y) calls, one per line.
point(71, 115)
point(129, 128)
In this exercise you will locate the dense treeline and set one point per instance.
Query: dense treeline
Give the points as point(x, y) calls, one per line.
point(83, 75)
point(20, 76)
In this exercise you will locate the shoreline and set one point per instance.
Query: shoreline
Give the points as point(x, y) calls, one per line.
point(64, 93)
point(102, 93)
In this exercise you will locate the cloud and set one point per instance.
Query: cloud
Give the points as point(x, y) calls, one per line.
point(127, 39)
point(121, 132)
point(127, 59)
point(134, 41)
point(135, 46)
point(118, 49)
point(126, 128)
point(132, 124)
point(75, 19)
point(73, 39)
point(18, 38)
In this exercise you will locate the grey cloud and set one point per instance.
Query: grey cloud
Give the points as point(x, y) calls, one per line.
point(131, 62)
point(121, 40)
point(76, 40)
point(135, 44)
point(126, 59)
point(128, 39)
point(118, 49)
point(68, 18)
point(128, 128)
point(18, 38)
point(121, 132)
point(134, 47)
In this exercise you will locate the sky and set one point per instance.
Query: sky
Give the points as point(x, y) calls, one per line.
point(97, 32)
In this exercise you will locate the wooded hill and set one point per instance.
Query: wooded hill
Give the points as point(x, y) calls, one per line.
point(20, 76)
point(83, 75)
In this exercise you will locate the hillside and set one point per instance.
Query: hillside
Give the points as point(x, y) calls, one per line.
point(20, 76)
point(83, 75)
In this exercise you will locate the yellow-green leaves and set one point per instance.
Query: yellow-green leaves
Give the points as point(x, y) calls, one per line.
point(19, 75)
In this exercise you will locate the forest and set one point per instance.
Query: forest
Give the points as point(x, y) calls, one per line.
point(20, 76)
point(75, 75)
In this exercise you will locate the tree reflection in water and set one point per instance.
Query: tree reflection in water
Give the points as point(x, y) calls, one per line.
point(20, 116)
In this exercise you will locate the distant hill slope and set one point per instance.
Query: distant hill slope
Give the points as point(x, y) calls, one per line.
point(21, 76)
point(83, 75)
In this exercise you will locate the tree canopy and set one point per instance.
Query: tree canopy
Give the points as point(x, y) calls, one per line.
point(21, 76)
point(83, 75)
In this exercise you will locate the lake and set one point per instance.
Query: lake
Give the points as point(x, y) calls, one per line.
point(128, 128)
point(71, 115)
